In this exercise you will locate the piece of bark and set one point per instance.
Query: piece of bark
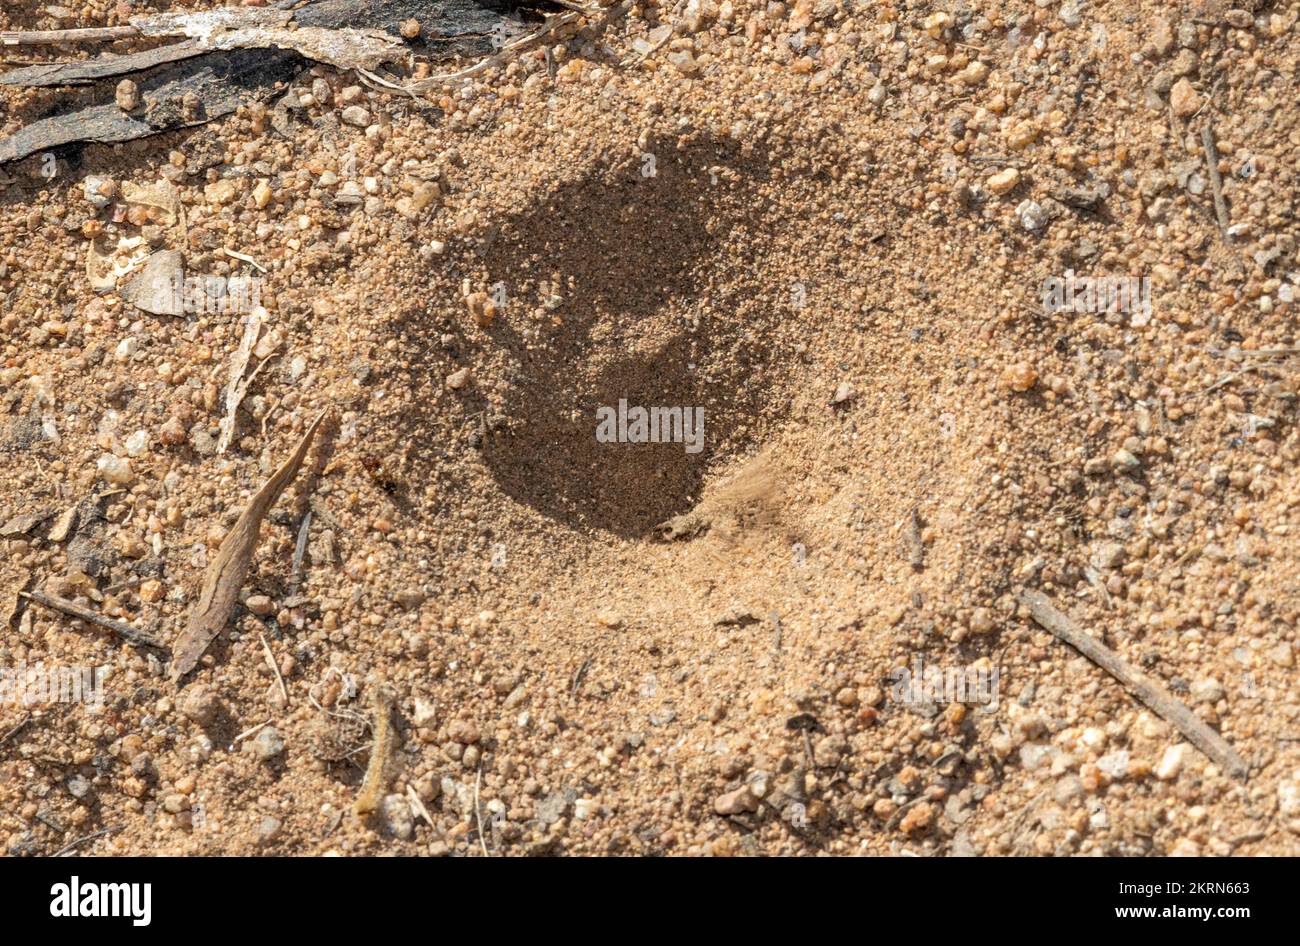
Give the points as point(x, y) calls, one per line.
point(472, 22)
point(338, 40)
point(24, 523)
point(1152, 694)
point(205, 23)
point(225, 575)
point(222, 79)
point(915, 544)
point(376, 781)
point(343, 49)
point(220, 83)
point(344, 33)
point(92, 70)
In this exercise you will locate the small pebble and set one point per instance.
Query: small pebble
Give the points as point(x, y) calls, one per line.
point(355, 115)
point(1171, 763)
point(78, 786)
point(260, 605)
point(116, 470)
point(1019, 377)
point(398, 818)
point(127, 95)
point(268, 744)
point(200, 704)
point(268, 829)
point(1184, 99)
point(1003, 181)
point(736, 802)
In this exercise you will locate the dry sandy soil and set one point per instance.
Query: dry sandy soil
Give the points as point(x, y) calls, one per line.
point(828, 224)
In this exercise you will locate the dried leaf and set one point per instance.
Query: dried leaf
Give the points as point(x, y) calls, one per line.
point(160, 287)
point(225, 574)
point(9, 600)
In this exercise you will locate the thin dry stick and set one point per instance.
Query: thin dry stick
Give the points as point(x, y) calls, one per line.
point(208, 26)
point(55, 37)
point(248, 732)
point(1258, 353)
point(1216, 182)
point(578, 676)
point(15, 731)
point(418, 805)
point(478, 812)
point(270, 659)
point(299, 552)
point(112, 829)
point(1150, 693)
point(1226, 379)
point(124, 631)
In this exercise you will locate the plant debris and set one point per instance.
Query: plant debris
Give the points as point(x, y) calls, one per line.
point(1146, 690)
point(230, 57)
point(124, 631)
point(225, 575)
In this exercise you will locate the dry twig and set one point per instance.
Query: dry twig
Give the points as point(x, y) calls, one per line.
point(124, 631)
point(58, 37)
point(112, 829)
point(270, 659)
point(478, 812)
point(1216, 182)
point(1152, 694)
point(15, 731)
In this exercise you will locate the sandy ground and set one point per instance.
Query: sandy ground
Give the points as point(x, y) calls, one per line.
point(828, 225)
